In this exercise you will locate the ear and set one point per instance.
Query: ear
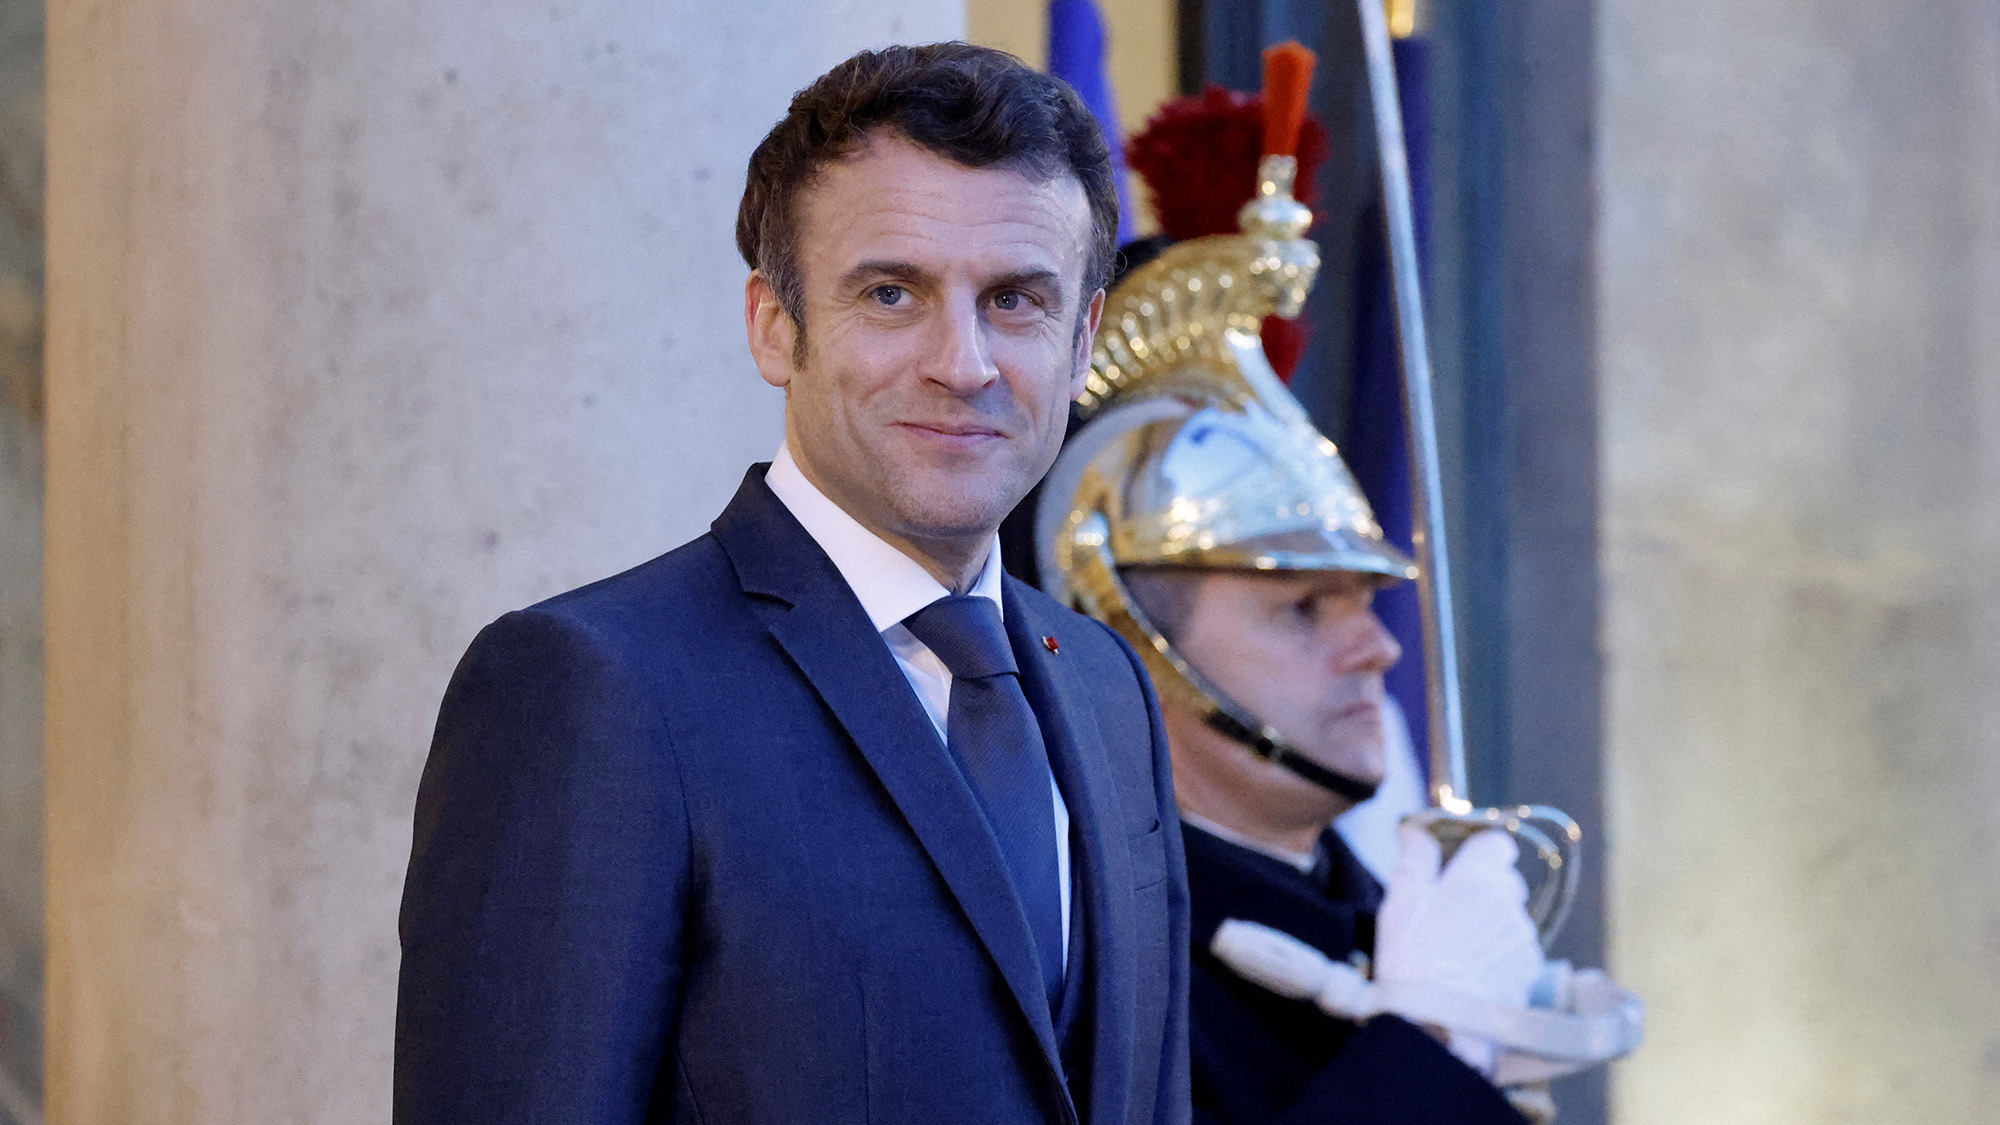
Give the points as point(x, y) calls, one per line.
point(1080, 362)
point(771, 330)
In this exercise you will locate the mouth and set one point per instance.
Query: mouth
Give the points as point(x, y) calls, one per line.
point(955, 435)
point(1364, 708)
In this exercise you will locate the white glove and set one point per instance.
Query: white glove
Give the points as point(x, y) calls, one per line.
point(1464, 929)
point(1579, 1019)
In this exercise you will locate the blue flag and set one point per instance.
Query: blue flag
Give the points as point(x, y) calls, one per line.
point(1076, 55)
point(1376, 443)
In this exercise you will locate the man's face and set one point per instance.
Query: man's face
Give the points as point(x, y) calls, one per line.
point(1303, 652)
point(946, 333)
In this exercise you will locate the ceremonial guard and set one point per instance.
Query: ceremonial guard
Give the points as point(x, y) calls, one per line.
point(1198, 512)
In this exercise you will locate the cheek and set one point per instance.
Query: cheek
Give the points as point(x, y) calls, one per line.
point(1247, 664)
point(848, 371)
point(1039, 368)
point(1265, 679)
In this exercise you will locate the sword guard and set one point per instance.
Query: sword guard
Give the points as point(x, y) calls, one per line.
point(1550, 835)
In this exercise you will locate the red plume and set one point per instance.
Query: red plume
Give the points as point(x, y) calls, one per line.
point(1199, 154)
point(1288, 73)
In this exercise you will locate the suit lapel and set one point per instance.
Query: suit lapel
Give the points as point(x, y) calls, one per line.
point(823, 628)
point(1101, 872)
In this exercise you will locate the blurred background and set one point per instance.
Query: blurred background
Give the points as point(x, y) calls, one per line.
point(329, 332)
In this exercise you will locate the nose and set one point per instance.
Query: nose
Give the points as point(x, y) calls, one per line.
point(1366, 646)
point(964, 361)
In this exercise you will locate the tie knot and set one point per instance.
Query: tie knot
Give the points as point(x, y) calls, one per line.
point(966, 633)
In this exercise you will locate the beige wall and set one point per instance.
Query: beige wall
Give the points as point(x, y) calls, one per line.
point(368, 322)
point(1800, 332)
point(1142, 45)
point(1020, 27)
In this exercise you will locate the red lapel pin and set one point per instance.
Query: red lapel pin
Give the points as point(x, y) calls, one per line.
point(1050, 644)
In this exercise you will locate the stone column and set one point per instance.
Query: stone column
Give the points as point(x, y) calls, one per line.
point(20, 559)
point(368, 321)
point(1800, 332)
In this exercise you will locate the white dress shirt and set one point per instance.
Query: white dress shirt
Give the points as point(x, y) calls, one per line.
point(891, 586)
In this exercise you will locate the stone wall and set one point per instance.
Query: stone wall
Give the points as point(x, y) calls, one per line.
point(367, 322)
point(1800, 348)
point(20, 560)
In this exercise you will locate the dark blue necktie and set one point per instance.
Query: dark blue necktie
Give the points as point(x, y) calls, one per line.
point(992, 733)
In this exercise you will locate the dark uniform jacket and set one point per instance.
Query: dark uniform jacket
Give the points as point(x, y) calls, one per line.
point(1258, 1057)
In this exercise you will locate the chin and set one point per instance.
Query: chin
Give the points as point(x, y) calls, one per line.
point(1364, 764)
point(958, 505)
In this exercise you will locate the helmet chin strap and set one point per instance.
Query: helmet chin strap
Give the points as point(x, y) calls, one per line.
point(1272, 750)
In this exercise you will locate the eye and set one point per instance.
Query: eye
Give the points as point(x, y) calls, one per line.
point(1025, 302)
point(889, 296)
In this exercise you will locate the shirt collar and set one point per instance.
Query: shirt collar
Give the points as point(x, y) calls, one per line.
point(889, 584)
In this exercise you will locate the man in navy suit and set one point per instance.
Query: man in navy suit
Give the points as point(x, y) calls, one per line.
point(821, 818)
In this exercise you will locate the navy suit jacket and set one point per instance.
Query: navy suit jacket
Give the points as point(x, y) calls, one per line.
point(689, 849)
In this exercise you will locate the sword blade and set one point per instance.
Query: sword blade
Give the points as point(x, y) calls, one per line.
point(1447, 725)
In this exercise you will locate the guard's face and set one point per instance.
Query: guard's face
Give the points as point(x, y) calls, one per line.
point(1303, 652)
point(945, 335)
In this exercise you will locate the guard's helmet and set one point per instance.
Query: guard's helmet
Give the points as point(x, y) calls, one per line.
point(1195, 455)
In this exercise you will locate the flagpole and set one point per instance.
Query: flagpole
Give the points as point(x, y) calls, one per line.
point(1448, 790)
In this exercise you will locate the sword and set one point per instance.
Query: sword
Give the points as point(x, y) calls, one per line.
point(1553, 835)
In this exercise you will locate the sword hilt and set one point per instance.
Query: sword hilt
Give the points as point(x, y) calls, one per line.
point(1549, 835)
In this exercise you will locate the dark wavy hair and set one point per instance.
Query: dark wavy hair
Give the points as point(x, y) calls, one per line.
point(975, 106)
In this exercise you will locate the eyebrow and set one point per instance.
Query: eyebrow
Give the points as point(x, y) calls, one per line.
point(875, 269)
point(896, 271)
point(1027, 278)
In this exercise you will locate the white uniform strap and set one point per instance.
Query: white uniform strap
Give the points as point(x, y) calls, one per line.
point(1589, 1020)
